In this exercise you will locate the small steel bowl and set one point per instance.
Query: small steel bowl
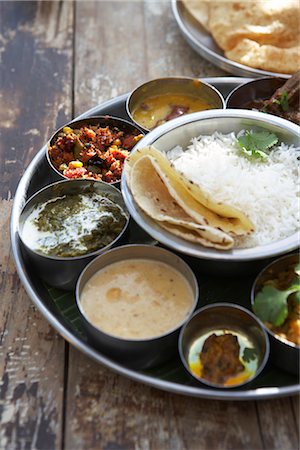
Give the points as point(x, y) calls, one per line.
point(136, 353)
point(259, 89)
point(173, 85)
point(223, 316)
point(62, 272)
point(179, 132)
point(102, 121)
point(283, 354)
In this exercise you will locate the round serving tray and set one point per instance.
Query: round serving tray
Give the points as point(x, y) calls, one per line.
point(59, 308)
point(202, 42)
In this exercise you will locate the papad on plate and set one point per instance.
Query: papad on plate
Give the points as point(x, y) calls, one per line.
point(263, 34)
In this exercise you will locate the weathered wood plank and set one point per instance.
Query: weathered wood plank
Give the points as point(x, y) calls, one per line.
point(278, 424)
point(204, 424)
point(120, 45)
point(32, 355)
point(167, 53)
point(36, 85)
point(111, 412)
point(109, 51)
point(295, 403)
point(295, 400)
point(35, 95)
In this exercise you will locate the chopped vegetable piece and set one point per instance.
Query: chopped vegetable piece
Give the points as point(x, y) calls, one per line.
point(67, 130)
point(93, 151)
point(75, 164)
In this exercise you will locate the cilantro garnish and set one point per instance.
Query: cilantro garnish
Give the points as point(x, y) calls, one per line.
point(271, 304)
point(255, 144)
point(283, 101)
point(249, 354)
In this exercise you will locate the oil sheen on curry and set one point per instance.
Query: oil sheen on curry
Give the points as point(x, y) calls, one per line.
point(158, 109)
point(223, 358)
point(137, 299)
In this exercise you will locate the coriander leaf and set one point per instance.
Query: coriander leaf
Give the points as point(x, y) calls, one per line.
point(255, 144)
point(270, 305)
point(284, 101)
point(249, 354)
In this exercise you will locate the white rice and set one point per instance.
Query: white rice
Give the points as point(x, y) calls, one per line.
point(266, 191)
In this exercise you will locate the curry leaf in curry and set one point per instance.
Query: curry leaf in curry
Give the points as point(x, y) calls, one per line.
point(270, 304)
point(283, 101)
point(254, 145)
point(249, 354)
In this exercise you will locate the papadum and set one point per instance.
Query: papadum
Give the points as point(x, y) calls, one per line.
point(264, 34)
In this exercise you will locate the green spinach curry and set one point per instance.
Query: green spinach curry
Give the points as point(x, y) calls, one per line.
point(74, 225)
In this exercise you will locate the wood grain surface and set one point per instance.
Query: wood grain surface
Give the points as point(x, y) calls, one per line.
point(57, 60)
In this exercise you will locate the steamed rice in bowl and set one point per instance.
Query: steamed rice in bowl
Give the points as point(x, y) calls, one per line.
point(224, 191)
point(267, 191)
point(208, 212)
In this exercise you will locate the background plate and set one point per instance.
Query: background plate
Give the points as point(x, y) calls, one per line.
point(204, 44)
point(58, 307)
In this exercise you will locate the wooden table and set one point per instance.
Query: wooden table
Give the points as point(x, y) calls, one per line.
point(59, 59)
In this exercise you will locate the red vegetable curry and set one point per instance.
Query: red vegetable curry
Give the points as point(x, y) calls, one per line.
point(92, 152)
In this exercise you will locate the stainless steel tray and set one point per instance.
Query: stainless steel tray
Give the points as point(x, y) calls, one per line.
point(202, 42)
point(59, 307)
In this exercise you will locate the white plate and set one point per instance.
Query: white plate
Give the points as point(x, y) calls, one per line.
point(204, 44)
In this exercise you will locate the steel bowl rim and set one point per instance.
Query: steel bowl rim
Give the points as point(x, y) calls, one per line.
point(80, 257)
point(194, 285)
point(242, 254)
point(289, 344)
point(229, 306)
point(258, 393)
point(207, 84)
point(256, 80)
point(87, 119)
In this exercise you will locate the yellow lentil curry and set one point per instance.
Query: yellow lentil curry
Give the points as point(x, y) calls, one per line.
point(158, 109)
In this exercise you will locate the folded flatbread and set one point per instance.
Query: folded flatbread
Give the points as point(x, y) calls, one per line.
point(153, 197)
point(197, 203)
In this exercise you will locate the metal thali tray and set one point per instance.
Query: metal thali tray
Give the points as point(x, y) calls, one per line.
point(59, 308)
point(203, 43)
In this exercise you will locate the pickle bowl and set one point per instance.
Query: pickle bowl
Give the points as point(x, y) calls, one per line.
point(160, 88)
point(250, 346)
point(284, 353)
point(94, 164)
point(62, 271)
point(138, 352)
